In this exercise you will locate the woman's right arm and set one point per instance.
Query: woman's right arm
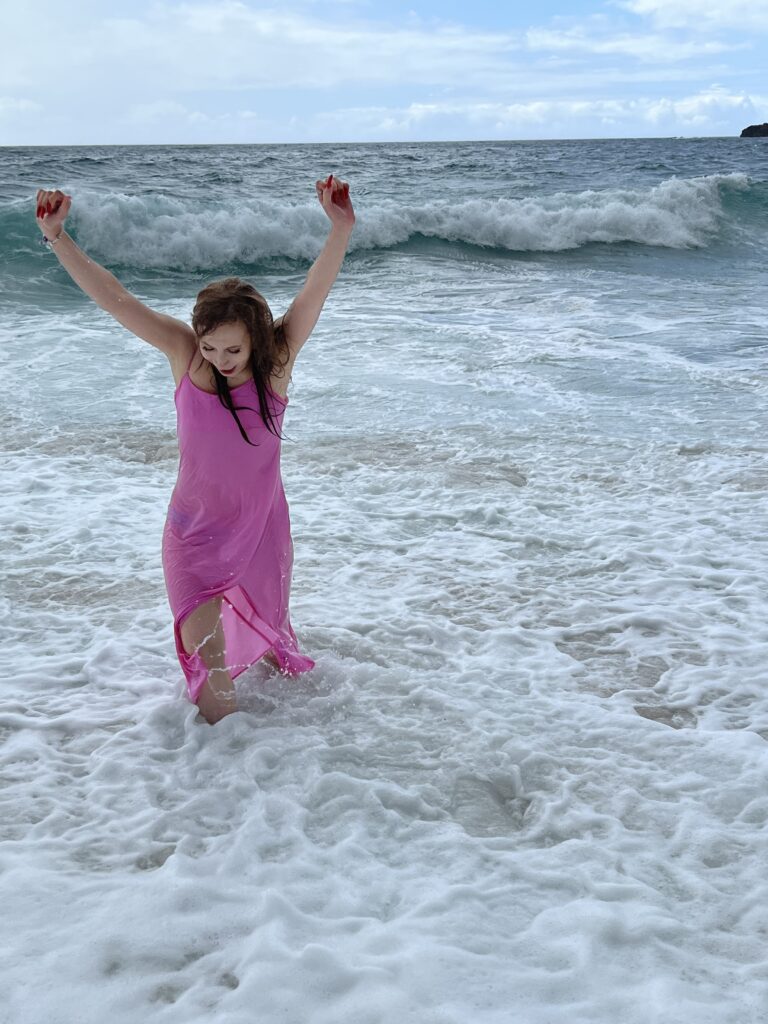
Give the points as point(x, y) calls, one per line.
point(173, 337)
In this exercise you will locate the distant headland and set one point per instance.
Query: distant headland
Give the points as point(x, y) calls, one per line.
point(755, 130)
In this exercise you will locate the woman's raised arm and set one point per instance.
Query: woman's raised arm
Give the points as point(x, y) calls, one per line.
point(305, 309)
point(171, 336)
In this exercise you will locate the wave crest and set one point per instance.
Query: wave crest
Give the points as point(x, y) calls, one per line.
point(169, 232)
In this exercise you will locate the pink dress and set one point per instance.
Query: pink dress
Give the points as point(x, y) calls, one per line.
point(228, 531)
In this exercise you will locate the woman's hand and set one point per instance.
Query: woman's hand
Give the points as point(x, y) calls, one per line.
point(334, 199)
point(52, 210)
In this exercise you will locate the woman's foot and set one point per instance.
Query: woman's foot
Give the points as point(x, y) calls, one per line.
point(215, 704)
point(270, 658)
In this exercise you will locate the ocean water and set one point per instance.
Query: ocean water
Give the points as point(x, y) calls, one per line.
point(528, 778)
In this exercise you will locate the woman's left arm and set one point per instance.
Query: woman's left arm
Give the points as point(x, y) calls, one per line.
point(305, 309)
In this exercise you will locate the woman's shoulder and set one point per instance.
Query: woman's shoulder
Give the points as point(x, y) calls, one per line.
point(202, 378)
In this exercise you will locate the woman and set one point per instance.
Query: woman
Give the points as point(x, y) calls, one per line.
point(227, 552)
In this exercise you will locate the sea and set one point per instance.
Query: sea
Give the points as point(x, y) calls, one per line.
point(526, 460)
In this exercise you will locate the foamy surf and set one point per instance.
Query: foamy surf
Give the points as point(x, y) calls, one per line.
point(163, 231)
point(527, 777)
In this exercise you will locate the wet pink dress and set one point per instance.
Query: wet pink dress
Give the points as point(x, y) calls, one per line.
point(228, 531)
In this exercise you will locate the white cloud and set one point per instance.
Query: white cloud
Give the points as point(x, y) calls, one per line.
point(652, 48)
point(165, 111)
point(229, 45)
point(747, 15)
point(12, 105)
point(702, 110)
point(538, 118)
point(159, 110)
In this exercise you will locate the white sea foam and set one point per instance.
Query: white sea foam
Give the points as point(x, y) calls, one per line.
point(163, 231)
point(527, 779)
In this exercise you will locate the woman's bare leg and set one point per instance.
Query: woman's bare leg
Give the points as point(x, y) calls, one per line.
point(202, 633)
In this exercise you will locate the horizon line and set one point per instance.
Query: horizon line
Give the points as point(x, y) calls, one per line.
point(369, 142)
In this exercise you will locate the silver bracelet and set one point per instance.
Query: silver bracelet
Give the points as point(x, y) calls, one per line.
point(52, 241)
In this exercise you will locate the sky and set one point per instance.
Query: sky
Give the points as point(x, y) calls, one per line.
point(239, 71)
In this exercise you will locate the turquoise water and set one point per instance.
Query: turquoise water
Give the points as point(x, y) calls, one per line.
point(659, 241)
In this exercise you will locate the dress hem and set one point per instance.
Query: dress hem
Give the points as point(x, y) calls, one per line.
point(251, 626)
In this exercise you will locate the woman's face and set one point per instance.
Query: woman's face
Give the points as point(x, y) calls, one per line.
point(228, 347)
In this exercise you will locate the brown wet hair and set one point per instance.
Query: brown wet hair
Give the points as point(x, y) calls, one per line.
point(232, 300)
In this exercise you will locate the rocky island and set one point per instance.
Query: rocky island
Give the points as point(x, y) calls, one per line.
point(754, 131)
